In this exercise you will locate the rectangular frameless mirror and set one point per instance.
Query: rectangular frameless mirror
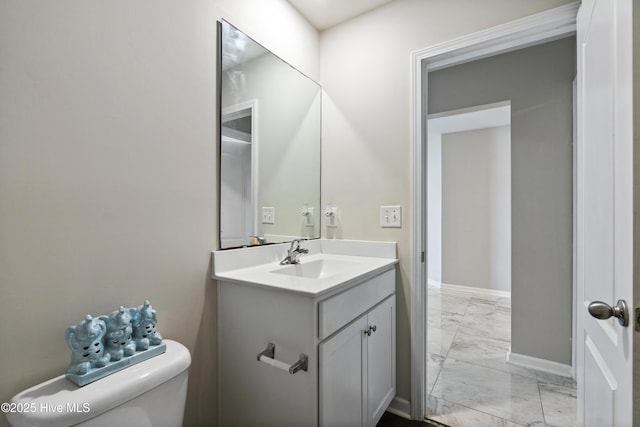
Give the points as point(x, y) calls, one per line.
point(269, 172)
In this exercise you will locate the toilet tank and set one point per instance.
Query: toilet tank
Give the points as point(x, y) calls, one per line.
point(150, 393)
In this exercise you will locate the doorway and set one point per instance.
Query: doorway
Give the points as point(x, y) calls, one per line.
point(495, 336)
point(238, 180)
point(433, 59)
point(469, 198)
point(469, 264)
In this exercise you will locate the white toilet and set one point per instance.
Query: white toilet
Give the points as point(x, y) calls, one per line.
point(150, 393)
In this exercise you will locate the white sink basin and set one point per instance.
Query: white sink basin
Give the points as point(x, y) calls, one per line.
point(329, 266)
point(317, 269)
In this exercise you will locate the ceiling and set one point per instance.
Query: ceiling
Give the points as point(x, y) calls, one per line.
point(324, 14)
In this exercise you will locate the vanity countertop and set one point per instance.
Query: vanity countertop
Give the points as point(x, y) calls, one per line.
point(329, 267)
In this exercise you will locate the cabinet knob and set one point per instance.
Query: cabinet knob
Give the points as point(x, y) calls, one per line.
point(370, 329)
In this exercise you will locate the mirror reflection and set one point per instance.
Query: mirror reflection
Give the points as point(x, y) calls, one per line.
point(269, 146)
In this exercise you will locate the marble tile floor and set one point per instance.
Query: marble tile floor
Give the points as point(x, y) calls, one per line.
point(470, 383)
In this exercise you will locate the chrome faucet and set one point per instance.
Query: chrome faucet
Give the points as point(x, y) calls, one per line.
point(260, 240)
point(294, 252)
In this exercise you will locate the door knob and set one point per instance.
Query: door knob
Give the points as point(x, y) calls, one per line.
point(602, 310)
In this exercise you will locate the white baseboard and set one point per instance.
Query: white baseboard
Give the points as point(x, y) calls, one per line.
point(433, 283)
point(400, 407)
point(543, 365)
point(483, 291)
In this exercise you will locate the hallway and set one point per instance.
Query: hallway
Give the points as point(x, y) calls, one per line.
point(468, 379)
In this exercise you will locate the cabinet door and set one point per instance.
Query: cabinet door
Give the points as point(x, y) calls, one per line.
point(341, 377)
point(381, 360)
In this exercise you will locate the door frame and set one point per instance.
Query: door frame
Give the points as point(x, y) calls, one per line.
point(535, 29)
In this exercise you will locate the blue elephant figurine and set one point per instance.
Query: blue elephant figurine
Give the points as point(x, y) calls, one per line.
point(118, 340)
point(87, 348)
point(144, 327)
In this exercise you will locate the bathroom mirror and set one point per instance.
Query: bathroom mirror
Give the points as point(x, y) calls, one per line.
point(269, 151)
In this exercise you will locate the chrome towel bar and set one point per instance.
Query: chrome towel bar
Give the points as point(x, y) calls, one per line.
point(268, 356)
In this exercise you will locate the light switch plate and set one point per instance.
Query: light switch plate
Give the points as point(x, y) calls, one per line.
point(391, 216)
point(268, 215)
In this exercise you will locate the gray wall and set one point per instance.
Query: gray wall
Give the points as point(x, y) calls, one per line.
point(108, 171)
point(538, 81)
point(476, 208)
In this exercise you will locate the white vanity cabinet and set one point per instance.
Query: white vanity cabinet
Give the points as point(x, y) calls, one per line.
point(350, 377)
point(357, 369)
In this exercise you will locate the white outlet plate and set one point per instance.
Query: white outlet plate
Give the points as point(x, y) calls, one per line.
point(331, 212)
point(268, 215)
point(391, 216)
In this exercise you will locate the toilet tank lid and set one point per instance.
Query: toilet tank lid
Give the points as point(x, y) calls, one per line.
point(59, 402)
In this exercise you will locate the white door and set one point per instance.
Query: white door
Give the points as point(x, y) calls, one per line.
point(236, 217)
point(605, 211)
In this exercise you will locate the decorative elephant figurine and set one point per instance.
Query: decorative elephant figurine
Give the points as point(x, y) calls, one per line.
point(118, 339)
point(144, 327)
point(87, 348)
